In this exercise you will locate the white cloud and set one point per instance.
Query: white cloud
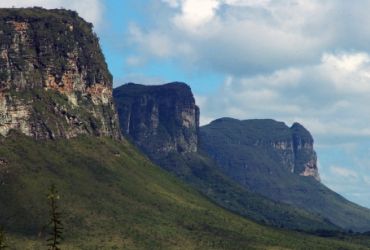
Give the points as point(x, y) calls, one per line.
point(90, 10)
point(195, 13)
point(343, 172)
point(329, 98)
point(243, 36)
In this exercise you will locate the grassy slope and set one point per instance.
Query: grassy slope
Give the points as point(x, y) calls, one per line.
point(203, 174)
point(114, 198)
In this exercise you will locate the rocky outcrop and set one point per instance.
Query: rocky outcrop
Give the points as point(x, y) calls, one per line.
point(278, 162)
point(305, 159)
point(159, 119)
point(290, 148)
point(54, 81)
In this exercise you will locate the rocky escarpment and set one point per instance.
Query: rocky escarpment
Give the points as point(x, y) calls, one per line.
point(163, 122)
point(305, 158)
point(159, 119)
point(278, 162)
point(54, 81)
point(290, 148)
point(262, 169)
point(295, 151)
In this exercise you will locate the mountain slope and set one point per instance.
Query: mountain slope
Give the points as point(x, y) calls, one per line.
point(163, 122)
point(202, 173)
point(255, 154)
point(117, 199)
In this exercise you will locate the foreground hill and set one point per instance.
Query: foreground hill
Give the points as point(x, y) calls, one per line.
point(278, 162)
point(114, 198)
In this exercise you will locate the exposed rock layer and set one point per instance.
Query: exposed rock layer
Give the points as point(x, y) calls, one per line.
point(290, 148)
point(278, 162)
point(159, 119)
point(54, 81)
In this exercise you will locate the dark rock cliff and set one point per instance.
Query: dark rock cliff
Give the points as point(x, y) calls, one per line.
point(54, 81)
point(159, 119)
point(305, 159)
point(290, 148)
point(278, 162)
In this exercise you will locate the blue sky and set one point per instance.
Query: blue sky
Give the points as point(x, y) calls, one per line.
point(292, 60)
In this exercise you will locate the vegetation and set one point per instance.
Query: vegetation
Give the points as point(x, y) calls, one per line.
point(202, 173)
point(55, 220)
point(114, 198)
point(2, 239)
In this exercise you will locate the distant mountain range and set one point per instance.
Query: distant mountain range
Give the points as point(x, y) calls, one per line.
point(258, 168)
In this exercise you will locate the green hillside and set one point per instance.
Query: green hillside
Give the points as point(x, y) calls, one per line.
point(114, 198)
point(198, 170)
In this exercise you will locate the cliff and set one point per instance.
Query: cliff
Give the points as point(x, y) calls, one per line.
point(158, 119)
point(278, 162)
point(54, 81)
point(290, 148)
point(305, 159)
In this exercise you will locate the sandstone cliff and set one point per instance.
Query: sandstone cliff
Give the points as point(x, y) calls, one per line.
point(278, 162)
point(288, 148)
point(159, 119)
point(305, 159)
point(54, 81)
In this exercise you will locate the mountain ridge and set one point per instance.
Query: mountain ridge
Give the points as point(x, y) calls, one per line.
point(259, 154)
point(195, 167)
point(264, 156)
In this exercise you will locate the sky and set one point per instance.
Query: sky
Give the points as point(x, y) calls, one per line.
point(294, 60)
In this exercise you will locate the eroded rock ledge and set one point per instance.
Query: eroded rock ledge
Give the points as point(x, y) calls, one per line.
point(54, 81)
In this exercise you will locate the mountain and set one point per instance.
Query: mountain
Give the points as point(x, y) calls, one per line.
point(163, 122)
point(54, 82)
point(110, 195)
point(278, 162)
point(159, 119)
point(261, 169)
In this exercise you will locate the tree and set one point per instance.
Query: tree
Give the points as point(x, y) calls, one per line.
point(55, 220)
point(2, 239)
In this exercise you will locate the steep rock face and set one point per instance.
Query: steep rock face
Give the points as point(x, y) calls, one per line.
point(290, 148)
point(304, 154)
point(54, 81)
point(159, 119)
point(278, 162)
